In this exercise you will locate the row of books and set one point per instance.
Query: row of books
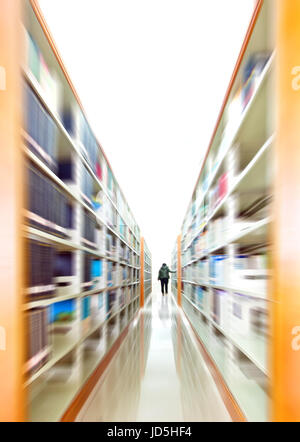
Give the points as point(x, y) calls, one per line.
point(50, 86)
point(120, 275)
point(250, 77)
point(217, 193)
point(49, 272)
point(238, 314)
point(35, 62)
point(59, 318)
point(89, 229)
point(53, 272)
point(223, 229)
point(112, 186)
point(41, 137)
point(40, 130)
point(40, 269)
point(62, 317)
point(48, 208)
point(91, 149)
point(87, 186)
point(38, 340)
point(244, 272)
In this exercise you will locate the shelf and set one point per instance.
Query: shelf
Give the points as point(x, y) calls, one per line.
point(51, 403)
point(248, 179)
point(61, 346)
point(91, 361)
point(254, 347)
point(247, 236)
point(251, 397)
point(51, 112)
point(72, 143)
point(32, 232)
point(71, 194)
point(46, 302)
point(230, 141)
point(250, 293)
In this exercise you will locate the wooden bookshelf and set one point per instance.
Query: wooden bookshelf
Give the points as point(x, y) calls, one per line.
point(245, 206)
point(12, 406)
point(102, 306)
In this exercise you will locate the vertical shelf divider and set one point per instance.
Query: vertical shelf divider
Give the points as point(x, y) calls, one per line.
point(12, 324)
point(285, 348)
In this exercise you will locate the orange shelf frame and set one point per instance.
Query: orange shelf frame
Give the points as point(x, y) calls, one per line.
point(12, 397)
point(285, 348)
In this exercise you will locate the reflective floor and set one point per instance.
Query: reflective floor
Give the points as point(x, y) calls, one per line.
point(158, 374)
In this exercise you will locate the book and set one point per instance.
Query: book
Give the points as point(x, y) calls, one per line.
point(66, 282)
point(88, 228)
point(48, 208)
point(97, 274)
point(87, 186)
point(40, 129)
point(40, 270)
point(87, 280)
point(62, 316)
point(85, 312)
point(38, 339)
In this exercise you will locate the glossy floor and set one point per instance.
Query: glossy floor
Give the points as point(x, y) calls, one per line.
point(158, 374)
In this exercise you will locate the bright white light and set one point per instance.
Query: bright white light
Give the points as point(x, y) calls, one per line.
point(152, 76)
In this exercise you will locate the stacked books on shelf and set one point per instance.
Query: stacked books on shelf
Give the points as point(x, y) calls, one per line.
point(89, 146)
point(250, 78)
point(220, 307)
point(35, 62)
point(63, 316)
point(225, 234)
point(89, 229)
point(97, 275)
point(250, 272)
point(112, 302)
point(40, 132)
point(87, 186)
point(218, 269)
point(38, 339)
point(85, 313)
point(218, 192)
point(111, 244)
point(87, 280)
point(66, 281)
point(97, 308)
point(217, 232)
point(48, 208)
point(82, 243)
point(40, 271)
point(249, 316)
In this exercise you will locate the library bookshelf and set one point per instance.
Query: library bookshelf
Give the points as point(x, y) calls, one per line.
point(73, 254)
point(239, 251)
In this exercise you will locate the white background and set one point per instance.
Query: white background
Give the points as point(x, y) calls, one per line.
point(151, 75)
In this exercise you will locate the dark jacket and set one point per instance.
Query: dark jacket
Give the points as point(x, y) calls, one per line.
point(164, 272)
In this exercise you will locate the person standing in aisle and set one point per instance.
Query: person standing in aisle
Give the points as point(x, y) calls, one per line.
point(163, 277)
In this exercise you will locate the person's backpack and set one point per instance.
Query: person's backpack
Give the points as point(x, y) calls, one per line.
point(163, 272)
